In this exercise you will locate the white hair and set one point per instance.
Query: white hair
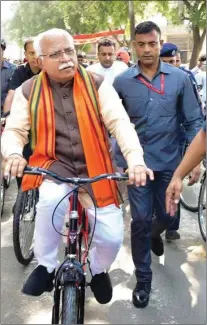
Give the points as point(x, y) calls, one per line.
point(54, 32)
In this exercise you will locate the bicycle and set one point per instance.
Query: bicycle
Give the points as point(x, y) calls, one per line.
point(23, 225)
point(70, 278)
point(202, 207)
point(4, 186)
point(190, 194)
point(5, 182)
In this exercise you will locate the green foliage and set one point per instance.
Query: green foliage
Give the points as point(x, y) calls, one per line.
point(78, 17)
point(82, 17)
point(32, 18)
point(192, 11)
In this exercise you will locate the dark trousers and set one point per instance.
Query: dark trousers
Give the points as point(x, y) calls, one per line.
point(144, 200)
point(176, 224)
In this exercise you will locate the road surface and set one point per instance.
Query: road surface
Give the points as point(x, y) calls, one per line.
point(178, 288)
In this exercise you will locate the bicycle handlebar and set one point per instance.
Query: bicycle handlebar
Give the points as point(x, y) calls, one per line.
point(4, 115)
point(75, 180)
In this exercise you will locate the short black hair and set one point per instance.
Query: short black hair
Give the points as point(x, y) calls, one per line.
point(28, 41)
point(106, 42)
point(146, 27)
point(3, 44)
point(202, 58)
point(80, 56)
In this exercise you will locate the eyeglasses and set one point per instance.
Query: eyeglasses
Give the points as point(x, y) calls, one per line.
point(58, 54)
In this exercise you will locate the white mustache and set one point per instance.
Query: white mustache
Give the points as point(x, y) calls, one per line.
point(66, 65)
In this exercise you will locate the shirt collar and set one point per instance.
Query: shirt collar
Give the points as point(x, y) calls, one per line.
point(163, 68)
point(5, 65)
point(57, 85)
point(29, 70)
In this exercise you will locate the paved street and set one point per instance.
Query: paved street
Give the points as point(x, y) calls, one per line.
point(178, 293)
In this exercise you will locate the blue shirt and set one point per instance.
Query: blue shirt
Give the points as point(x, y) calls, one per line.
point(190, 74)
point(7, 70)
point(194, 84)
point(157, 117)
point(204, 125)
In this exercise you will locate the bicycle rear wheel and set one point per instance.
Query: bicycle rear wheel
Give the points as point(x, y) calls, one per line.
point(202, 209)
point(7, 182)
point(2, 196)
point(23, 225)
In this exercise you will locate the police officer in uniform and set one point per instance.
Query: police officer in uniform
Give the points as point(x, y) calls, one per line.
point(7, 70)
point(155, 95)
point(170, 54)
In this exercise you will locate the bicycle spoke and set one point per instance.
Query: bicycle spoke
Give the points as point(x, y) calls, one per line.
point(26, 233)
point(203, 214)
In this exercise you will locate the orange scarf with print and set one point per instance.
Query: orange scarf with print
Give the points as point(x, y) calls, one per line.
point(92, 131)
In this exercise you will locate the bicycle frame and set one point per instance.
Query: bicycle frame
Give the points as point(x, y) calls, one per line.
point(72, 270)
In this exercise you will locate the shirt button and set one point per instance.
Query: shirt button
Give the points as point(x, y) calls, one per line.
point(151, 99)
point(71, 128)
point(74, 144)
point(65, 96)
point(68, 113)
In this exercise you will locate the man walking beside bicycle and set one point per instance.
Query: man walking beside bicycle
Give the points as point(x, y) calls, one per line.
point(157, 98)
point(66, 110)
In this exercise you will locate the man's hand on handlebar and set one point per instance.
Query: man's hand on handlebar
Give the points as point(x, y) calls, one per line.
point(138, 175)
point(14, 165)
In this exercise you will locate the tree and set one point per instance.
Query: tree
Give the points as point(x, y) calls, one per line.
point(193, 12)
point(30, 19)
point(78, 17)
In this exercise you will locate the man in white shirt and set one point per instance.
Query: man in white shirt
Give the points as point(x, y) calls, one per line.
point(107, 65)
point(201, 82)
point(199, 67)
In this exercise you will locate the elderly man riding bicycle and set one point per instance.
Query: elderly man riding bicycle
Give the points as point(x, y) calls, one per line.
point(66, 109)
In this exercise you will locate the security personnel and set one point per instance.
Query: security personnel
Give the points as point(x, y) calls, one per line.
point(21, 74)
point(7, 70)
point(169, 54)
point(151, 91)
point(81, 60)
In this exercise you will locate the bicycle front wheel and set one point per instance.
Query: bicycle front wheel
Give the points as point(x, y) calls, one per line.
point(2, 196)
point(70, 304)
point(202, 209)
point(23, 225)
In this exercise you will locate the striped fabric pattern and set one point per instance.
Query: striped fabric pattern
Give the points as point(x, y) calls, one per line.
point(92, 131)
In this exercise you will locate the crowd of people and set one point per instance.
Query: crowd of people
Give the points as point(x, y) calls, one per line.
point(151, 109)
